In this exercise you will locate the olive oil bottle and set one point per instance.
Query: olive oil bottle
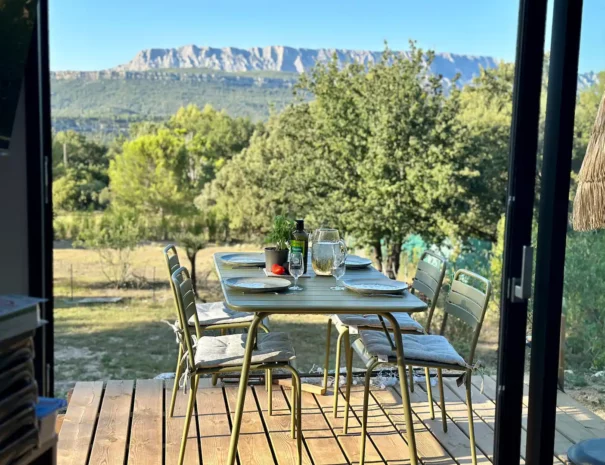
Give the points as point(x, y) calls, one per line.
point(300, 241)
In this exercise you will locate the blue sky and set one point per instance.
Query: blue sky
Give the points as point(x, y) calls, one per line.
point(92, 34)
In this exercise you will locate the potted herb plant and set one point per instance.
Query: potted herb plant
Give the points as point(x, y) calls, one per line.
point(280, 235)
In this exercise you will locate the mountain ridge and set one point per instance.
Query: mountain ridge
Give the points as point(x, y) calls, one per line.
point(250, 83)
point(287, 59)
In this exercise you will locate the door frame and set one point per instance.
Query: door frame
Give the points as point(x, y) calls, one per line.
point(39, 195)
point(552, 230)
point(519, 214)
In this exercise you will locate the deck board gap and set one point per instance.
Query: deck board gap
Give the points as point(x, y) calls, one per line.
point(415, 432)
point(96, 424)
point(369, 437)
point(265, 428)
point(478, 421)
point(460, 428)
point(130, 417)
point(229, 422)
point(329, 423)
point(304, 441)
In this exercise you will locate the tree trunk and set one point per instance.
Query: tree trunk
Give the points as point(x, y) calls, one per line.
point(191, 257)
point(393, 259)
point(377, 251)
point(163, 225)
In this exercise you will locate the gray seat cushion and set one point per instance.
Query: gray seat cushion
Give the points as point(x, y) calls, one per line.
point(406, 322)
point(425, 349)
point(216, 313)
point(228, 351)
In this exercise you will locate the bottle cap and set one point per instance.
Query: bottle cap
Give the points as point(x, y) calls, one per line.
point(300, 225)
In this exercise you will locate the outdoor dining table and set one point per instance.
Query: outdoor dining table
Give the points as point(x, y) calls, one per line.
point(318, 299)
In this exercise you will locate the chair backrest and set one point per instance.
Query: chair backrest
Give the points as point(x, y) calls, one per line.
point(430, 273)
point(185, 298)
point(172, 260)
point(172, 263)
point(468, 302)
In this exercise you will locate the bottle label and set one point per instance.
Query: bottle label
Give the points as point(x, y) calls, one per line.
point(297, 246)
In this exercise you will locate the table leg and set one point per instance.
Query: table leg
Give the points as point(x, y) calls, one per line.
point(403, 384)
point(243, 384)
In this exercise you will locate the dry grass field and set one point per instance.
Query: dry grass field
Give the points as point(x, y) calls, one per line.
point(128, 339)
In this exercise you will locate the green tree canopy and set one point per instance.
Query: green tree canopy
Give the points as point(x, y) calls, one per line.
point(211, 138)
point(150, 176)
point(80, 171)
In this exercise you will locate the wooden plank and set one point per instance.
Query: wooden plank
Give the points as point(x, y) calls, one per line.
point(253, 446)
point(322, 444)
point(78, 426)
point(112, 428)
point(589, 425)
point(489, 391)
point(174, 430)
point(381, 431)
point(278, 427)
point(147, 418)
point(457, 412)
point(349, 442)
point(213, 421)
point(430, 451)
point(592, 424)
point(455, 442)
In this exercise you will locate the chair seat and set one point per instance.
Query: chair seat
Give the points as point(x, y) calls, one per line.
point(228, 351)
point(406, 322)
point(418, 350)
point(216, 313)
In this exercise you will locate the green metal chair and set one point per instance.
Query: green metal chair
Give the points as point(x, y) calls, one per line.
point(430, 273)
point(225, 354)
point(211, 316)
point(467, 302)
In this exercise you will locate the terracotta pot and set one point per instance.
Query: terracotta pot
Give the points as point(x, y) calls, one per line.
point(273, 256)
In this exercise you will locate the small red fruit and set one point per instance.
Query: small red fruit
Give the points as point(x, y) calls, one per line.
point(278, 269)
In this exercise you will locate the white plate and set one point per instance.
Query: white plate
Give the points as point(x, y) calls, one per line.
point(375, 286)
point(258, 284)
point(253, 259)
point(354, 262)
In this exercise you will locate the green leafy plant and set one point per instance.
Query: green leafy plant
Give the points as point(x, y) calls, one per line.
point(281, 232)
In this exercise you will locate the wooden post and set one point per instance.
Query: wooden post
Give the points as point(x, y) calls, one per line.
point(153, 284)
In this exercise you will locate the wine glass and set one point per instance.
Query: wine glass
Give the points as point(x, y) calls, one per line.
point(339, 265)
point(297, 268)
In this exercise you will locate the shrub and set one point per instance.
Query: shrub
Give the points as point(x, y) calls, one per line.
point(584, 300)
point(113, 236)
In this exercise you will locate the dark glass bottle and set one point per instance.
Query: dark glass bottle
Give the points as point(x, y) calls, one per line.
point(300, 241)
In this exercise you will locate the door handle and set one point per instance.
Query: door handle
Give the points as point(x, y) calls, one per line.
point(521, 287)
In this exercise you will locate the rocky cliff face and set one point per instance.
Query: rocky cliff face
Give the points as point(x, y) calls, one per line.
point(205, 64)
point(285, 59)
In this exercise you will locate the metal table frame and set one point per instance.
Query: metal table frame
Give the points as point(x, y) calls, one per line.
point(381, 306)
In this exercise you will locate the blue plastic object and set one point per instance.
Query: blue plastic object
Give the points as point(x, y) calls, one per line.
point(48, 405)
point(590, 452)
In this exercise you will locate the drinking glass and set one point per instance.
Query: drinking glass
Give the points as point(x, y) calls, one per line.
point(339, 265)
point(297, 268)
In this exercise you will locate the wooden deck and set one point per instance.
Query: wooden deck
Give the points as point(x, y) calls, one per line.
point(125, 422)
